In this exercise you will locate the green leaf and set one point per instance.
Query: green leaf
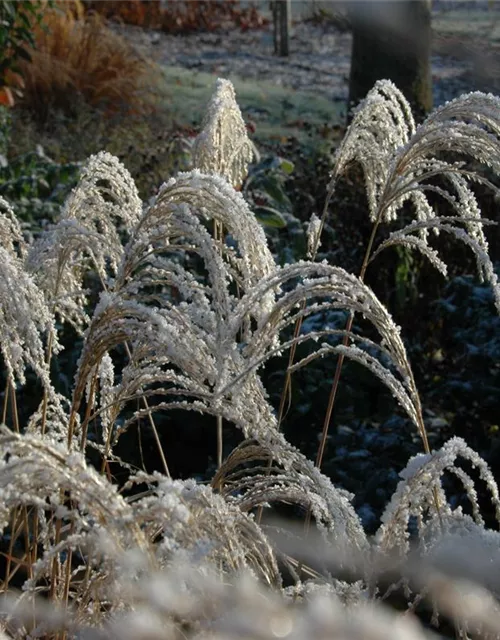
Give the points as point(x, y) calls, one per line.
point(272, 186)
point(287, 166)
point(25, 20)
point(270, 217)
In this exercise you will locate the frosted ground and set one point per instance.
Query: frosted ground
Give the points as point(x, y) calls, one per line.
point(313, 81)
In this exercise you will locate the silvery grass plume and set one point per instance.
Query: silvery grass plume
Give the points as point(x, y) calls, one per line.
point(415, 498)
point(52, 417)
point(175, 558)
point(197, 345)
point(402, 164)
point(25, 318)
point(95, 222)
point(103, 541)
point(247, 480)
point(382, 124)
point(178, 559)
point(193, 338)
point(420, 524)
point(173, 315)
point(223, 147)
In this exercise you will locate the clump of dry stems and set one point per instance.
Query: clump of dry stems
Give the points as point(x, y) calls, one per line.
point(78, 58)
point(179, 559)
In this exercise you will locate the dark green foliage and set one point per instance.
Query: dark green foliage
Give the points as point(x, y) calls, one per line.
point(265, 191)
point(35, 184)
point(16, 33)
point(464, 360)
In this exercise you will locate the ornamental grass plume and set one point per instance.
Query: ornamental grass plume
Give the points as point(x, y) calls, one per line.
point(186, 319)
point(441, 160)
point(414, 497)
point(416, 167)
point(99, 214)
point(204, 349)
point(223, 147)
point(86, 555)
point(25, 318)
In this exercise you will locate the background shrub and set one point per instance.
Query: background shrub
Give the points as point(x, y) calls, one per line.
point(181, 16)
point(16, 42)
point(75, 56)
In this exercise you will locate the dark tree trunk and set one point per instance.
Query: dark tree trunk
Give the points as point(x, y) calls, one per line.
point(392, 40)
point(282, 17)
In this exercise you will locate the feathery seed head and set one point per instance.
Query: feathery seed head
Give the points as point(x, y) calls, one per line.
point(223, 147)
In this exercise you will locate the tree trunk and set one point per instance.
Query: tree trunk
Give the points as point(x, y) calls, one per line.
point(392, 40)
point(282, 18)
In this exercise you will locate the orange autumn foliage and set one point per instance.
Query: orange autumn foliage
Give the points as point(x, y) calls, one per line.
point(78, 57)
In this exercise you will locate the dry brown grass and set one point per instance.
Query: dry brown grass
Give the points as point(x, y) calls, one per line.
point(79, 57)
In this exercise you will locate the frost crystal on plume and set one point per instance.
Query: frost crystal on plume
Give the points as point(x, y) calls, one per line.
point(223, 146)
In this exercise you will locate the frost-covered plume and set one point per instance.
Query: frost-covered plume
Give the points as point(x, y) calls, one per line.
point(191, 521)
point(402, 165)
point(223, 147)
point(325, 287)
point(34, 469)
point(111, 541)
point(415, 497)
point(382, 123)
point(173, 320)
point(194, 335)
point(97, 218)
point(197, 315)
point(11, 235)
point(24, 316)
point(245, 480)
point(195, 345)
point(314, 229)
point(51, 417)
point(106, 377)
point(420, 502)
point(93, 527)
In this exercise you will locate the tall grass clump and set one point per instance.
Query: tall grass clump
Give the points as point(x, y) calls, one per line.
point(76, 58)
point(178, 305)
